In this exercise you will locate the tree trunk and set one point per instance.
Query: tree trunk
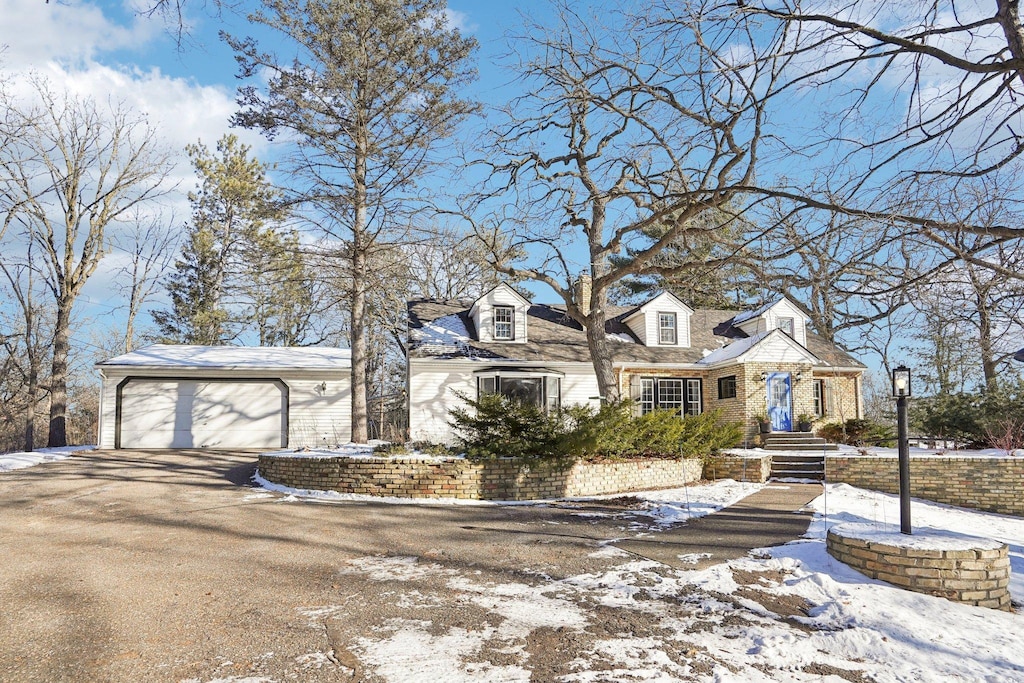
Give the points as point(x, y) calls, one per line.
point(597, 340)
point(358, 344)
point(988, 363)
point(358, 338)
point(59, 377)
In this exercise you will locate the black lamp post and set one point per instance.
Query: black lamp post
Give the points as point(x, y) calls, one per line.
point(901, 392)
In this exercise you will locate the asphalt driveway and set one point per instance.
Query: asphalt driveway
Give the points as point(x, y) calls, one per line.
point(139, 566)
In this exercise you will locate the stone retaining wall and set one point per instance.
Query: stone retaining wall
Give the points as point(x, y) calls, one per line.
point(740, 468)
point(972, 575)
point(505, 479)
point(989, 484)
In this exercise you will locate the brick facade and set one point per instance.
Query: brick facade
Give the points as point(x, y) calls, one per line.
point(977, 572)
point(505, 479)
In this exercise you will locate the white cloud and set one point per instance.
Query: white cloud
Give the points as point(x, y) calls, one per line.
point(459, 20)
point(71, 44)
point(74, 32)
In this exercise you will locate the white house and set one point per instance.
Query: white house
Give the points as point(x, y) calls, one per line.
point(665, 354)
point(176, 396)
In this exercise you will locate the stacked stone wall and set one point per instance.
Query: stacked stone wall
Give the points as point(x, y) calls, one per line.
point(503, 479)
point(975, 576)
point(989, 484)
point(724, 466)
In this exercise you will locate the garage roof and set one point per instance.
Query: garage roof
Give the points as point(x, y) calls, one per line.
point(233, 357)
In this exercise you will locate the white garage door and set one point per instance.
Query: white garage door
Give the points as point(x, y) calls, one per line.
point(202, 414)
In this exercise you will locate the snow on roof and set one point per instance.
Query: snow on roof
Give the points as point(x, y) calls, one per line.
point(748, 315)
point(446, 332)
point(245, 357)
point(733, 350)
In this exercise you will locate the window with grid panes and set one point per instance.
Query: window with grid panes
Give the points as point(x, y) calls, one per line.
point(667, 329)
point(671, 393)
point(819, 398)
point(504, 323)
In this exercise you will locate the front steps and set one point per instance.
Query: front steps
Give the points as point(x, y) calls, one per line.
point(793, 466)
point(803, 456)
point(796, 441)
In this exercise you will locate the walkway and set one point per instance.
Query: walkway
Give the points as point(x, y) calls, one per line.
point(772, 516)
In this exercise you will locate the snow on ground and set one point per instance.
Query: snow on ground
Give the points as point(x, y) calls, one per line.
point(17, 461)
point(790, 613)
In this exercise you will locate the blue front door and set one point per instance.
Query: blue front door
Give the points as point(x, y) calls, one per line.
point(780, 402)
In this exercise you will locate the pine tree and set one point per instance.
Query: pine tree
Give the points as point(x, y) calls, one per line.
point(279, 289)
point(234, 202)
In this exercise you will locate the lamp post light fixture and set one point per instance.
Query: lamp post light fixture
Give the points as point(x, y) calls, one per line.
point(901, 391)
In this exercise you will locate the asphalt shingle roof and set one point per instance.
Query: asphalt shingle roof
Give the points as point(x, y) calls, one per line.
point(444, 329)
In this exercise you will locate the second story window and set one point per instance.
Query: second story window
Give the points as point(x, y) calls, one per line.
point(667, 329)
point(504, 323)
point(786, 325)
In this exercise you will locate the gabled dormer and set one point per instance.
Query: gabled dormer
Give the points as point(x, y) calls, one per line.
point(781, 314)
point(500, 315)
point(662, 321)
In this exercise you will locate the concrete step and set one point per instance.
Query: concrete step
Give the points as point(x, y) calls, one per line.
point(793, 436)
point(800, 446)
point(797, 458)
point(798, 474)
point(799, 466)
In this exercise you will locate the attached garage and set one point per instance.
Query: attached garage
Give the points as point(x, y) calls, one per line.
point(176, 396)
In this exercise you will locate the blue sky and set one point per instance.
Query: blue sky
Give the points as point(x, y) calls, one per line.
point(108, 50)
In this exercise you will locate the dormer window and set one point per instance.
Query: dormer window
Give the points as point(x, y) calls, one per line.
point(504, 323)
point(786, 325)
point(667, 335)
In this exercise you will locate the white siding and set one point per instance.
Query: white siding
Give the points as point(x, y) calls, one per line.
point(319, 418)
point(483, 314)
point(579, 386)
point(432, 387)
point(432, 395)
point(784, 309)
point(644, 323)
point(315, 417)
point(638, 324)
point(769, 320)
point(775, 349)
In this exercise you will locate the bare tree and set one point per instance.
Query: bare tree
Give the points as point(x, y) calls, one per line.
point(70, 170)
point(372, 94)
point(970, 295)
point(150, 247)
point(624, 126)
point(25, 343)
point(894, 94)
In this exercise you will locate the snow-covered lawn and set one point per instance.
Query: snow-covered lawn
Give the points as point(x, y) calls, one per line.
point(790, 613)
point(21, 459)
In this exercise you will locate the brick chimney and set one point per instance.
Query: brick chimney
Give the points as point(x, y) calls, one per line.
point(584, 287)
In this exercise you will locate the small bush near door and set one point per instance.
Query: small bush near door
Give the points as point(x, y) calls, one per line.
point(856, 432)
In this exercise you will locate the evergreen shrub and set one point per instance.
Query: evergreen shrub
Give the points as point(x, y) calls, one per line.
point(495, 426)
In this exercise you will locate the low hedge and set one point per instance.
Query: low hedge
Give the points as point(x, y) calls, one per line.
point(495, 426)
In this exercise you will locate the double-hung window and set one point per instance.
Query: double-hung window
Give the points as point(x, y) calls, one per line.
point(667, 332)
point(504, 323)
point(819, 398)
point(670, 393)
point(727, 387)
